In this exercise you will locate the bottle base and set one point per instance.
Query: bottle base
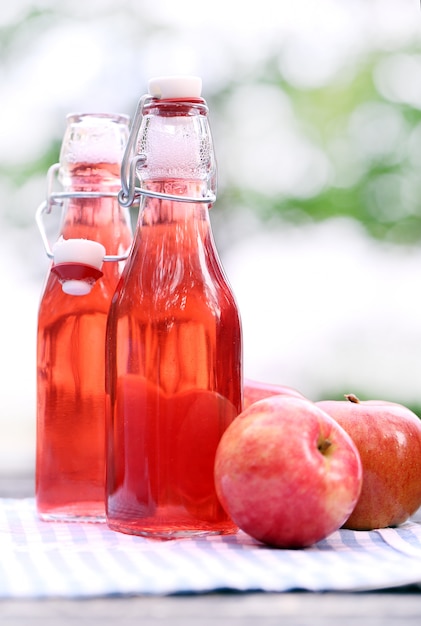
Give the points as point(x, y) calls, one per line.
point(170, 532)
point(68, 517)
point(90, 512)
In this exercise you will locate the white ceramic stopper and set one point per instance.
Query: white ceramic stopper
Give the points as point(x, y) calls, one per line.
point(167, 87)
point(82, 251)
point(87, 254)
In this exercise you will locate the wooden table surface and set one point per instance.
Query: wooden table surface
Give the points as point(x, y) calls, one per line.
point(397, 607)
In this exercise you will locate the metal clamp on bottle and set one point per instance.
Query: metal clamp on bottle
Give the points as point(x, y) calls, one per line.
point(130, 194)
point(76, 262)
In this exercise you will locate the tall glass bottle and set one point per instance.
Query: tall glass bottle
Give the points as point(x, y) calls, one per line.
point(70, 454)
point(174, 343)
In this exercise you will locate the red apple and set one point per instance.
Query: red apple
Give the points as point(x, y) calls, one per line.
point(255, 390)
point(287, 473)
point(388, 438)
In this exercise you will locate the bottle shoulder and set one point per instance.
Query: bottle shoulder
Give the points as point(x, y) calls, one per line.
point(154, 279)
point(169, 250)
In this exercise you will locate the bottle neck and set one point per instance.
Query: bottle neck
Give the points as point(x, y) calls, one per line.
point(176, 140)
point(97, 177)
point(161, 210)
point(92, 150)
point(91, 178)
point(173, 245)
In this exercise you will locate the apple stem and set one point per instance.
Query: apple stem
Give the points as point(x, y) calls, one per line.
point(324, 445)
point(352, 398)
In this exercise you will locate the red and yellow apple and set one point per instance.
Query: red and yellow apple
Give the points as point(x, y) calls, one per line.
point(287, 473)
point(388, 438)
point(255, 390)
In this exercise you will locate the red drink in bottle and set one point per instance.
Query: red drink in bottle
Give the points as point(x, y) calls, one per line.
point(174, 346)
point(70, 461)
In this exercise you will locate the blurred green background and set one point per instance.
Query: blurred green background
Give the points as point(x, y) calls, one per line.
point(316, 115)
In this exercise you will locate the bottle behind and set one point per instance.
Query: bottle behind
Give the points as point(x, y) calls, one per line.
point(70, 455)
point(174, 345)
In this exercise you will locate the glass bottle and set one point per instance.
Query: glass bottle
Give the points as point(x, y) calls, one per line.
point(70, 449)
point(174, 342)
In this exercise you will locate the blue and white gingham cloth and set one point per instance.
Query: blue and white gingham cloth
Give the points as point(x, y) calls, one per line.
point(75, 560)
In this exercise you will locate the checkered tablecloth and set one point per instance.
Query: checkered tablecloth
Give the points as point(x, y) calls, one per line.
point(51, 559)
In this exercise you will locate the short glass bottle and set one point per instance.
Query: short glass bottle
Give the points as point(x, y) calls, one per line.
point(70, 449)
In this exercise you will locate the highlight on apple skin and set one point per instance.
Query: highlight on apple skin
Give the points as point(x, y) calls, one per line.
point(388, 438)
point(287, 473)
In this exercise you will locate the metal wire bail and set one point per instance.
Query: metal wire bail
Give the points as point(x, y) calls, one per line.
point(130, 193)
point(55, 199)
